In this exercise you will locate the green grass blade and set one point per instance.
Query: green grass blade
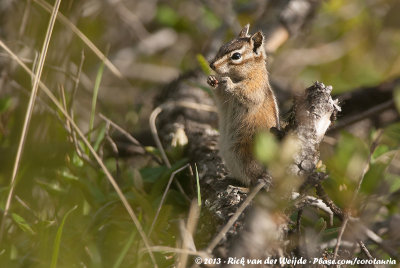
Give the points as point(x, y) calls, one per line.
point(125, 250)
point(198, 186)
point(57, 240)
point(94, 98)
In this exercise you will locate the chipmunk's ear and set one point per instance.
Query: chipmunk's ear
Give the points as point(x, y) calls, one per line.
point(256, 41)
point(244, 32)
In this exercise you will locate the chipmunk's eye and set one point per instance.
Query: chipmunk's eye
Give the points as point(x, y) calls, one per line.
point(236, 56)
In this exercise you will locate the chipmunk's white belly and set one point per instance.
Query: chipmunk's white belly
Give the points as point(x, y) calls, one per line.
point(229, 121)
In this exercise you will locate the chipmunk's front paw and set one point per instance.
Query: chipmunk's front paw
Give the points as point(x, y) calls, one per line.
point(226, 83)
point(212, 81)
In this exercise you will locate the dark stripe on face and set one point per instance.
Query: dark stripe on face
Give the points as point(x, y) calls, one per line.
point(231, 46)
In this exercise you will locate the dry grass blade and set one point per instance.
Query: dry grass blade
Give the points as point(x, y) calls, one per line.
point(154, 132)
point(365, 250)
point(36, 79)
point(234, 218)
point(198, 185)
point(179, 250)
point(129, 137)
point(165, 195)
point(24, 19)
point(377, 240)
point(125, 202)
point(188, 241)
point(83, 37)
point(339, 239)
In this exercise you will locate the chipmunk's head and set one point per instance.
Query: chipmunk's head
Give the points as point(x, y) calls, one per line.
point(240, 56)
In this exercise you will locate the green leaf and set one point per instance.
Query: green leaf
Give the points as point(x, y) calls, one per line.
point(52, 186)
point(86, 207)
point(152, 150)
point(159, 186)
point(331, 231)
point(392, 135)
point(203, 63)
point(380, 150)
point(76, 160)
point(13, 253)
point(393, 181)
point(68, 175)
point(5, 103)
point(163, 220)
point(57, 240)
point(152, 174)
point(395, 186)
point(373, 178)
point(210, 19)
point(266, 147)
point(92, 191)
point(167, 16)
point(320, 225)
point(142, 200)
point(21, 222)
point(345, 168)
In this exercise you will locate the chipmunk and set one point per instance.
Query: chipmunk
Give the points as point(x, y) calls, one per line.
point(246, 103)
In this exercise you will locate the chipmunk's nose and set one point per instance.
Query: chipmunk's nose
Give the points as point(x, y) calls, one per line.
point(212, 66)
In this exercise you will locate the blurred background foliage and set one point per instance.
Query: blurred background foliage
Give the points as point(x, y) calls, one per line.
point(348, 44)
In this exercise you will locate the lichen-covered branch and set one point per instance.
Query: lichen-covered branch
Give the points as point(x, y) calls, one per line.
point(267, 227)
point(312, 117)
